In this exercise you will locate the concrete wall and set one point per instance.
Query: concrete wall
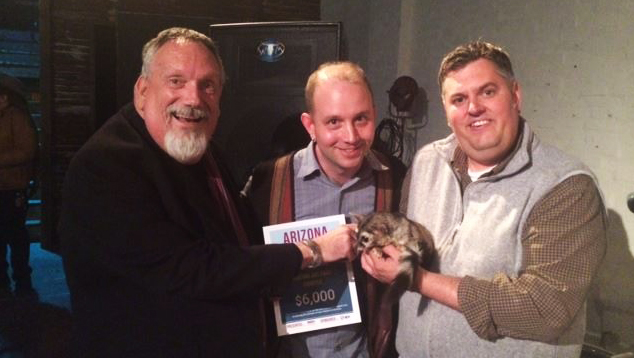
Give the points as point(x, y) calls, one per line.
point(370, 38)
point(574, 62)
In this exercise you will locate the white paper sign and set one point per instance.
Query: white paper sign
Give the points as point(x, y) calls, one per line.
point(317, 298)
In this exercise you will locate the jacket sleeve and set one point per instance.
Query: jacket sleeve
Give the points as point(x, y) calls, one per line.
point(116, 223)
point(564, 241)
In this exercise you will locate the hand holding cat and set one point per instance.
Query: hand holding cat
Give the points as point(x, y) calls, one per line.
point(383, 267)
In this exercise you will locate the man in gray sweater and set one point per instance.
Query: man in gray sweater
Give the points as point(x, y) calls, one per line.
point(518, 225)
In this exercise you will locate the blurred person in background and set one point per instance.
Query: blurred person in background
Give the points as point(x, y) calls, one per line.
point(18, 148)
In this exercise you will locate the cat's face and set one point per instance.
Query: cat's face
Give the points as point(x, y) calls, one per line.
point(378, 230)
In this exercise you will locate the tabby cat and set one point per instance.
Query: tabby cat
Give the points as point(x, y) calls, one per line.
point(376, 230)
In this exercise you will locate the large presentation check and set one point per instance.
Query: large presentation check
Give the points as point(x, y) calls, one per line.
point(317, 298)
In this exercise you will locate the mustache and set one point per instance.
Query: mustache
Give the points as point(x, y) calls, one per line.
point(187, 112)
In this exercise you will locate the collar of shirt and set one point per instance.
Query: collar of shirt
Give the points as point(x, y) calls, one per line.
point(309, 166)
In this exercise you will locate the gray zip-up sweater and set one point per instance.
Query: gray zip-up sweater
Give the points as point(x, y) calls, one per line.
point(479, 233)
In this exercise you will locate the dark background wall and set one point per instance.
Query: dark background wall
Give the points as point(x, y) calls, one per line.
point(80, 42)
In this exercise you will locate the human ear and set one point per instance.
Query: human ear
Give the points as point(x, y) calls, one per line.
point(140, 89)
point(516, 91)
point(309, 125)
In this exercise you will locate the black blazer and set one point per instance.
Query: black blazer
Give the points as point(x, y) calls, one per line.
point(153, 268)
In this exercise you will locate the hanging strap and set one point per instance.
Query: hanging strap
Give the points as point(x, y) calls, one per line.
point(281, 201)
point(384, 187)
point(381, 316)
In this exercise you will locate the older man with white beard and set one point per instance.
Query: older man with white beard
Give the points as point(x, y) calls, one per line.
point(156, 252)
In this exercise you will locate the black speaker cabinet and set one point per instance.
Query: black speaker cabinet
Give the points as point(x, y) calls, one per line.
point(267, 65)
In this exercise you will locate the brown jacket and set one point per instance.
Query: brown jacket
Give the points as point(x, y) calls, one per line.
point(18, 146)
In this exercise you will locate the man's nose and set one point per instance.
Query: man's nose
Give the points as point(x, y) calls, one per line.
point(192, 94)
point(475, 107)
point(351, 133)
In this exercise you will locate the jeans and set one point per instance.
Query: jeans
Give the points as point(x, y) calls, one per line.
point(13, 208)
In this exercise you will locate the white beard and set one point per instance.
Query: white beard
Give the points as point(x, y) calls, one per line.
point(186, 147)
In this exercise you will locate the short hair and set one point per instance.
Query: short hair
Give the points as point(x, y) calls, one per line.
point(179, 35)
point(341, 70)
point(472, 51)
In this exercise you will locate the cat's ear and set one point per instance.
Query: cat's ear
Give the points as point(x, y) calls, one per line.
point(355, 218)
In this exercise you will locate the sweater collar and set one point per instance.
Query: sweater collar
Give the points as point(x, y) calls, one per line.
point(517, 159)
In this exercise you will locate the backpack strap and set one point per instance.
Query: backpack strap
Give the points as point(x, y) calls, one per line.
point(281, 200)
point(381, 324)
point(384, 186)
